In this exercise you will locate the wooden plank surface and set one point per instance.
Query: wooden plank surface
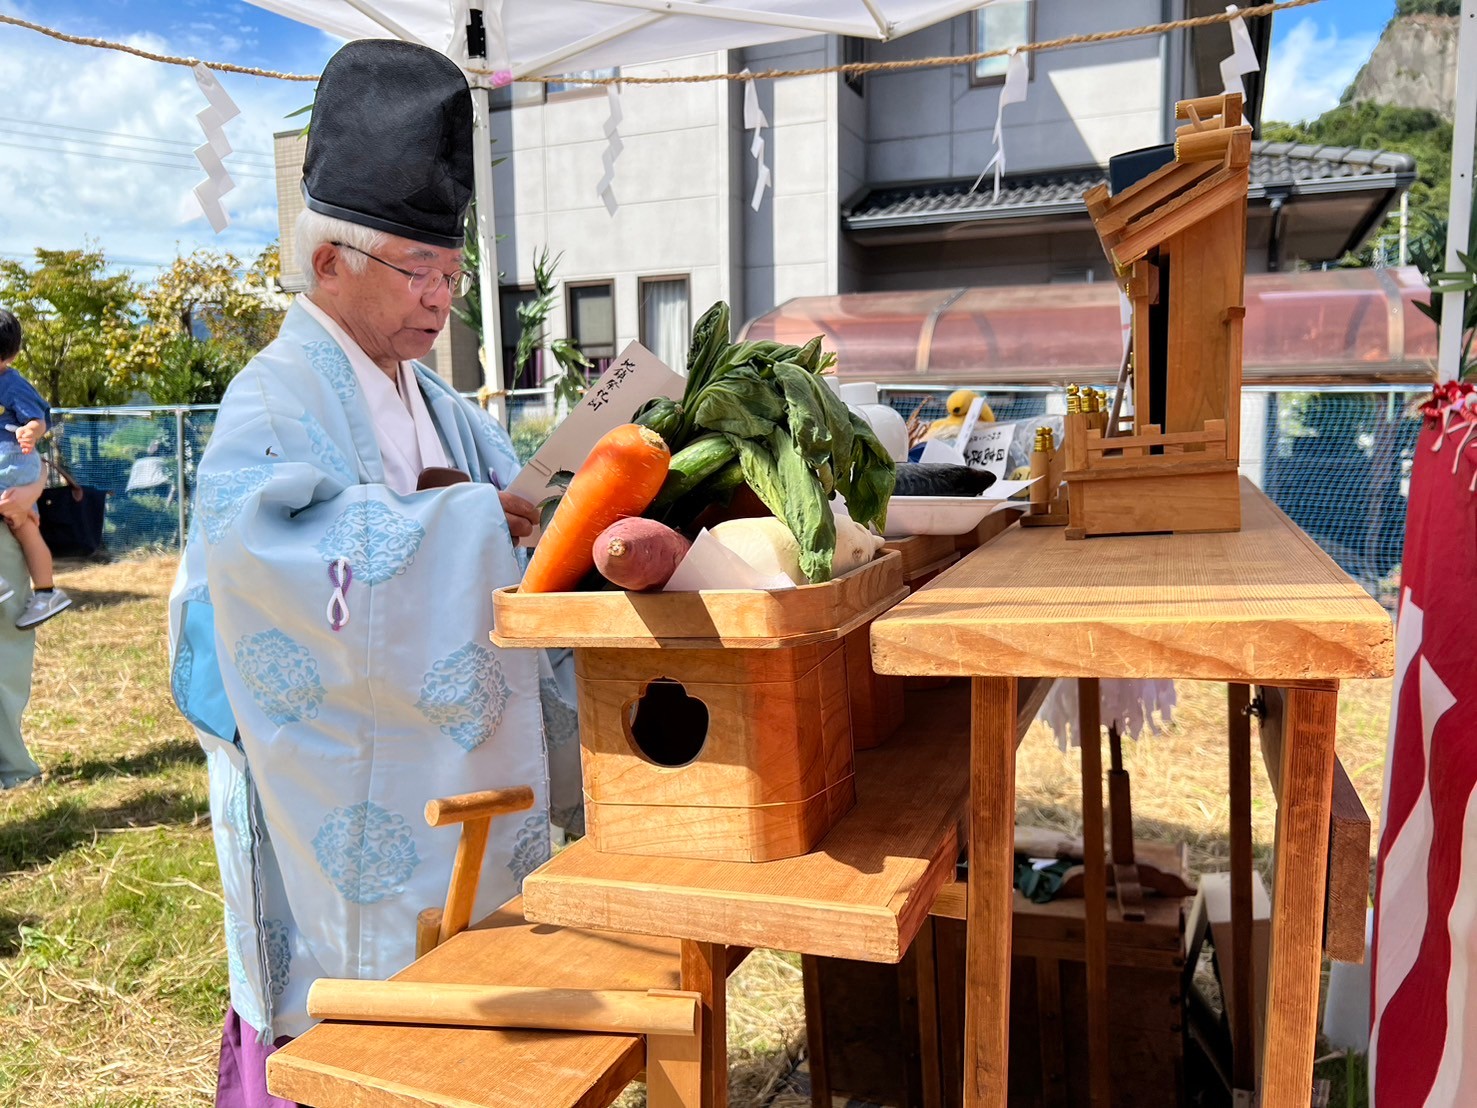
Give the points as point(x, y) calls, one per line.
point(862, 894)
point(749, 618)
point(1263, 603)
point(348, 1065)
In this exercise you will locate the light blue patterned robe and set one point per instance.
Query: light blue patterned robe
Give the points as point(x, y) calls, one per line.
point(324, 746)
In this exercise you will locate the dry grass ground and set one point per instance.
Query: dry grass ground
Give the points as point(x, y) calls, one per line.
point(112, 967)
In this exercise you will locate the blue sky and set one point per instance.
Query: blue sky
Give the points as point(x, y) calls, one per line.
point(96, 144)
point(1316, 52)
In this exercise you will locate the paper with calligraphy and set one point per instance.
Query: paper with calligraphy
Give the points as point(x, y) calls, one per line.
point(635, 377)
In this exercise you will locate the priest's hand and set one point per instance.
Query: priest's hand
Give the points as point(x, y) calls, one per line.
point(522, 515)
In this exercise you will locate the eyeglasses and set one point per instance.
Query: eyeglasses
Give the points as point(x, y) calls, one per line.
point(424, 279)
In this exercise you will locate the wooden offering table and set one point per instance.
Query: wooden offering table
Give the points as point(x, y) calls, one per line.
point(863, 894)
point(1260, 606)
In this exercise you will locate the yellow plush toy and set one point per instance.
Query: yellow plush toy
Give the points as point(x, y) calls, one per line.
point(958, 406)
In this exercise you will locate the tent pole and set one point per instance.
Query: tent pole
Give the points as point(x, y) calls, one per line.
point(492, 345)
point(486, 230)
point(1459, 217)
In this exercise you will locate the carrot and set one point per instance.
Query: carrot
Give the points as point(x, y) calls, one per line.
point(620, 478)
point(639, 554)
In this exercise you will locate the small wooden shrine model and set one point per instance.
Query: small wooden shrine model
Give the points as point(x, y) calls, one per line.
point(1177, 240)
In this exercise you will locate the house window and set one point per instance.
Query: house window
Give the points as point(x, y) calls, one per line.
point(510, 299)
point(592, 322)
point(570, 87)
point(666, 311)
point(999, 27)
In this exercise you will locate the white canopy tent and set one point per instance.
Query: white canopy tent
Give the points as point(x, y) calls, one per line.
point(542, 37)
point(562, 36)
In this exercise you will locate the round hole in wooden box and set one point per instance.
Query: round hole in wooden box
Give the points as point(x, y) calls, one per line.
point(667, 726)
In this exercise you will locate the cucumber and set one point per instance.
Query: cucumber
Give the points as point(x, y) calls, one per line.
point(692, 465)
point(662, 416)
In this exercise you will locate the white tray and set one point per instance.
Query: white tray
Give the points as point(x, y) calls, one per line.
point(940, 515)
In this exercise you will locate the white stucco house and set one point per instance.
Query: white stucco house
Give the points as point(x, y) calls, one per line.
point(872, 177)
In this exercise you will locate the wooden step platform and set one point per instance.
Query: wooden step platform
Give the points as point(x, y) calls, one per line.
point(358, 1065)
point(863, 893)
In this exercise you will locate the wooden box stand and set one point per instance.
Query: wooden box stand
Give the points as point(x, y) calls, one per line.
point(742, 755)
point(714, 725)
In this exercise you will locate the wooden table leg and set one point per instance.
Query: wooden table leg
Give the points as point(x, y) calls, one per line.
point(705, 972)
point(1238, 732)
point(1304, 805)
point(674, 1064)
point(1095, 891)
point(815, 1032)
point(991, 881)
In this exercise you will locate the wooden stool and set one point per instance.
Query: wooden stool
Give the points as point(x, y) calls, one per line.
point(668, 1021)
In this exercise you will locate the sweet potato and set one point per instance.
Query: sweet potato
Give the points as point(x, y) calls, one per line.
point(639, 554)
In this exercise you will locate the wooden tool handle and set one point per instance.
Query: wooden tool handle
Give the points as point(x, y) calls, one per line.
point(494, 802)
point(427, 931)
point(466, 868)
point(628, 1012)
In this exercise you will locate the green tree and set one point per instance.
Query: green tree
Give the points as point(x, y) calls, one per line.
point(1422, 134)
point(569, 386)
point(72, 312)
point(205, 317)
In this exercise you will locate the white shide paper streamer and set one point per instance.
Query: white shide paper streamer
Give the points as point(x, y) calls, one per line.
point(755, 120)
point(1012, 92)
point(1130, 705)
point(613, 147)
point(1243, 55)
point(212, 153)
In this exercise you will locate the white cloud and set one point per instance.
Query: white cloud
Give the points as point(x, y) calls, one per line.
point(65, 187)
point(1310, 68)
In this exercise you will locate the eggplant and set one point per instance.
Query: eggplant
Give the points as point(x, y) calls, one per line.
point(936, 479)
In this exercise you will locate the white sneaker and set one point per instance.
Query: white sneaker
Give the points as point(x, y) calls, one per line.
point(42, 606)
point(6, 592)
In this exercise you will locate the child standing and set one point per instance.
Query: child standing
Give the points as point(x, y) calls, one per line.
point(23, 419)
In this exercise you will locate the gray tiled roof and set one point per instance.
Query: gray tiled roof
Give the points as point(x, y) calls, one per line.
point(1275, 167)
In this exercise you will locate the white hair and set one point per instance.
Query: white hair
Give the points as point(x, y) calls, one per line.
point(315, 230)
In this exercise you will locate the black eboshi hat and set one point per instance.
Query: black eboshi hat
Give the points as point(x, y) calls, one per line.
point(390, 143)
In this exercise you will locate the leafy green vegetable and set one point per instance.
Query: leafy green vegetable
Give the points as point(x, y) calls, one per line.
point(873, 474)
point(739, 403)
point(806, 508)
point(796, 442)
point(810, 425)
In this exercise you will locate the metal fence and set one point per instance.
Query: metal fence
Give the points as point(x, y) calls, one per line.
point(145, 458)
point(1336, 460)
